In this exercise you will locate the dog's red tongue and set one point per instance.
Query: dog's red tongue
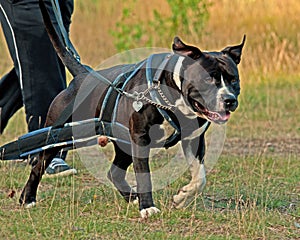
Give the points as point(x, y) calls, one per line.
point(215, 116)
point(225, 117)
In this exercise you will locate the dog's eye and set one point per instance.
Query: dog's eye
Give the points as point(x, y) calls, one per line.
point(233, 80)
point(209, 79)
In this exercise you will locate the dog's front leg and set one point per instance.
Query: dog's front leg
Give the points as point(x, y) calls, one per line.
point(194, 151)
point(140, 155)
point(143, 179)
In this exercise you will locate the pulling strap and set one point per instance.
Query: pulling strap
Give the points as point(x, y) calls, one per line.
point(66, 40)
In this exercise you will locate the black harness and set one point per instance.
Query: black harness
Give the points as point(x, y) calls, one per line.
point(155, 65)
point(62, 135)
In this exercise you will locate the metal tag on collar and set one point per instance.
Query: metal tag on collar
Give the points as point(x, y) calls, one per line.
point(137, 105)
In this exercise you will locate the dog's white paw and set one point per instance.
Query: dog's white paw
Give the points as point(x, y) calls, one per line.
point(147, 212)
point(186, 194)
point(135, 201)
point(181, 199)
point(29, 205)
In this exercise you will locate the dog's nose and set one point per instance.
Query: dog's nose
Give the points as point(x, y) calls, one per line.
point(230, 102)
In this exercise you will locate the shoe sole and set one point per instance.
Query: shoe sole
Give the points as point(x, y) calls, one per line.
point(61, 174)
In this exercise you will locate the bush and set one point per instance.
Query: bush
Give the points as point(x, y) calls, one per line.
point(187, 17)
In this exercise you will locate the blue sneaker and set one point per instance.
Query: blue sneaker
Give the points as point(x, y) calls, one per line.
point(59, 168)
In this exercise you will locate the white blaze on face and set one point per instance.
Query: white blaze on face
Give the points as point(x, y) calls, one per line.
point(176, 73)
point(223, 90)
point(180, 103)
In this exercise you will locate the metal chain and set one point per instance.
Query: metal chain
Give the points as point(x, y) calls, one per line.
point(142, 97)
point(164, 97)
point(170, 107)
point(158, 105)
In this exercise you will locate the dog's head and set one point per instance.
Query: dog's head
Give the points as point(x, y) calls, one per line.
point(209, 81)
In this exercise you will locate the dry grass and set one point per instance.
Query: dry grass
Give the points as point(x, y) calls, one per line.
point(271, 26)
point(270, 59)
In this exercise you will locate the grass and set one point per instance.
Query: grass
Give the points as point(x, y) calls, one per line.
point(252, 193)
point(247, 197)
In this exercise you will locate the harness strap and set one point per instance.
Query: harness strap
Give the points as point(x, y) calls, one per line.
point(175, 137)
point(160, 69)
point(112, 96)
point(67, 42)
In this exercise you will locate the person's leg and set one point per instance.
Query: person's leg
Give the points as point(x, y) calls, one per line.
point(10, 97)
point(41, 73)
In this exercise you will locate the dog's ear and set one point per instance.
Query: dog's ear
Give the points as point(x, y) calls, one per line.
point(235, 52)
point(182, 49)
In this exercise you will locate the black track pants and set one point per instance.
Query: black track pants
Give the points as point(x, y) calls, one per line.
point(38, 74)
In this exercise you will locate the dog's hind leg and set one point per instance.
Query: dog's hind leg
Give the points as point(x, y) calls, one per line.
point(117, 172)
point(28, 195)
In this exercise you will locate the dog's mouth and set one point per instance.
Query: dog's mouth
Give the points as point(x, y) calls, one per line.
point(217, 117)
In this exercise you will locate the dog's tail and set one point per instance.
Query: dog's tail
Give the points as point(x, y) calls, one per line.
point(67, 58)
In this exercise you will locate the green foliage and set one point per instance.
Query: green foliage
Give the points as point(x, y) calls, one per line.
point(126, 34)
point(188, 18)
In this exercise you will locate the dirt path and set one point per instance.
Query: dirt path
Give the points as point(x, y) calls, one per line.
point(278, 146)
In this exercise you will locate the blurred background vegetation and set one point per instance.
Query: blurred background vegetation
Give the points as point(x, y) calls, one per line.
point(101, 29)
point(270, 62)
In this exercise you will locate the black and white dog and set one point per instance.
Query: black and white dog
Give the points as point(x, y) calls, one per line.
point(205, 88)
